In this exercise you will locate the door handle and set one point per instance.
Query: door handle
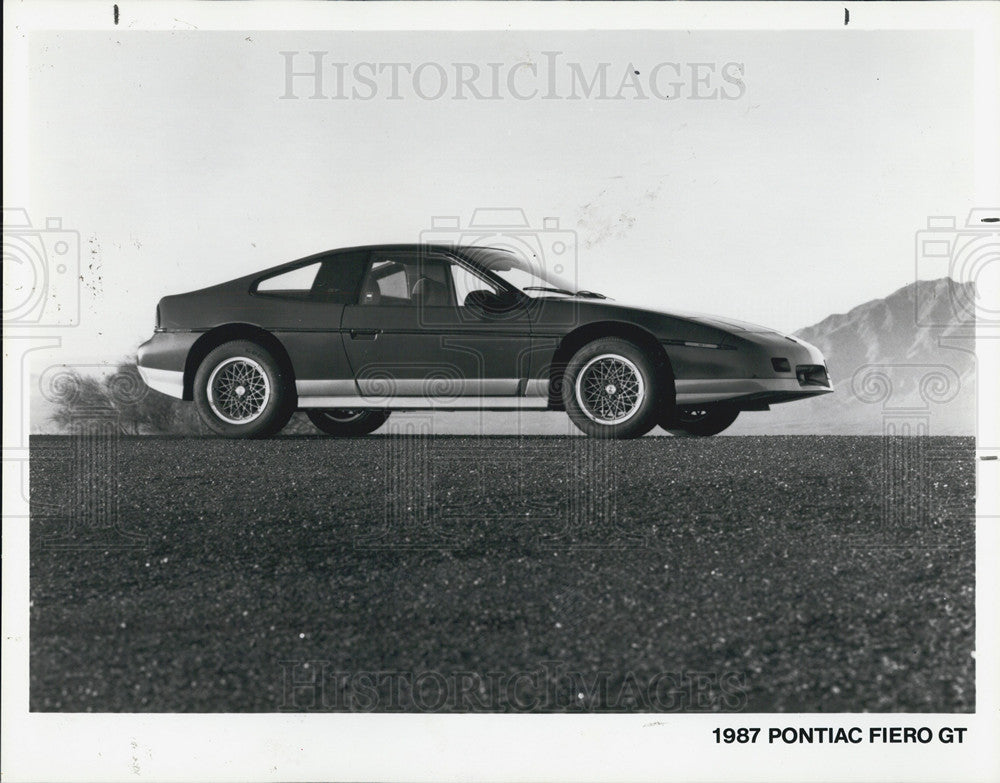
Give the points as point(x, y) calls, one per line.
point(365, 334)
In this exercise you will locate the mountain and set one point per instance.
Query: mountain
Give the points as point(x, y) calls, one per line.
point(904, 361)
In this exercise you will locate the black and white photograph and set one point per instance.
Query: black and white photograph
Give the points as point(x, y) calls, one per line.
point(501, 391)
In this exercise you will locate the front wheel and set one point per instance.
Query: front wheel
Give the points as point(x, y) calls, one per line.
point(611, 389)
point(345, 422)
point(700, 421)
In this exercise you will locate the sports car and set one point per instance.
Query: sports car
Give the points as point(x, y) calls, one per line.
point(350, 335)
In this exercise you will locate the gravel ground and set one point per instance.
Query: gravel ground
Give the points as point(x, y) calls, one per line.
point(813, 574)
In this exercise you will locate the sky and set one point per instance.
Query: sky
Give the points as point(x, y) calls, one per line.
point(797, 195)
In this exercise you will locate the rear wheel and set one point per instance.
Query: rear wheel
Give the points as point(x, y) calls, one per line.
point(700, 421)
point(611, 389)
point(345, 422)
point(241, 391)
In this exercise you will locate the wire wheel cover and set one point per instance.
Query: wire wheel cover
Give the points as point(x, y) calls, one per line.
point(238, 390)
point(609, 389)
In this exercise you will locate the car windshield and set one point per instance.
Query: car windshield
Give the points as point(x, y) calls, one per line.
point(530, 276)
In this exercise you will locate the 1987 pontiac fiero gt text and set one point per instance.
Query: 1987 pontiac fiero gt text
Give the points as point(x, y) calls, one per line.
point(350, 335)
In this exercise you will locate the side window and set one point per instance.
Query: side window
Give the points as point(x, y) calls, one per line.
point(297, 282)
point(391, 277)
point(334, 279)
point(407, 278)
point(464, 282)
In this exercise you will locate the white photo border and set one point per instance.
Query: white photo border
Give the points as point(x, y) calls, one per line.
point(40, 746)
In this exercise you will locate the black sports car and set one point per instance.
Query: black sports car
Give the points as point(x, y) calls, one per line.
point(350, 335)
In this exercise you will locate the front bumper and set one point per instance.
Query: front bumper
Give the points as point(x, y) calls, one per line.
point(743, 371)
point(759, 391)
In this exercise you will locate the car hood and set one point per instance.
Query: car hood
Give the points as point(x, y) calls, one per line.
point(731, 324)
point(705, 319)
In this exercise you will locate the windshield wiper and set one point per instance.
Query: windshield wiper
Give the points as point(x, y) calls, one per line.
point(588, 294)
point(546, 288)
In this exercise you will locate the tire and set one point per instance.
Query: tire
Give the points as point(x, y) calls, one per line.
point(346, 423)
point(611, 389)
point(700, 422)
point(241, 391)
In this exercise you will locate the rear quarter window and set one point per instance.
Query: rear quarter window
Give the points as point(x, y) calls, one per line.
point(298, 282)
point(334, 280)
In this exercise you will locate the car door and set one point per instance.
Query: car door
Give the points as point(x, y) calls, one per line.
point(303, 305)
point(416, 333)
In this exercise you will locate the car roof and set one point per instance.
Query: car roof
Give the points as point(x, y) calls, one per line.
point(423, 246)
point(463, 250)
